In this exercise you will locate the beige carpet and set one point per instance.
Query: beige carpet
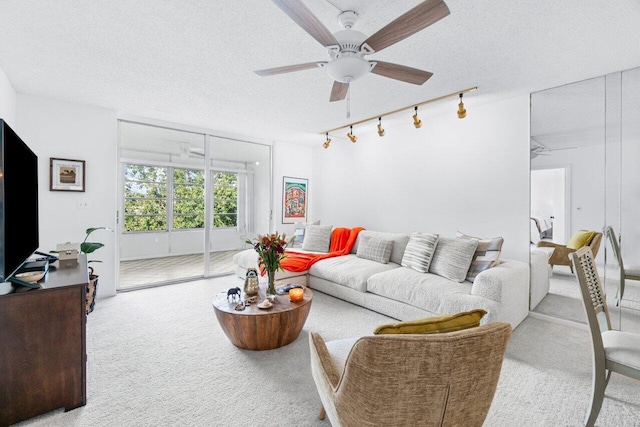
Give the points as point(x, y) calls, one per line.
point(157, 357)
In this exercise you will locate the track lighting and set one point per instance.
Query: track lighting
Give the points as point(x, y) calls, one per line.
point(327, 142)
point(416, 121)
point(380, 130)
point(462, 113)
point(351, 136)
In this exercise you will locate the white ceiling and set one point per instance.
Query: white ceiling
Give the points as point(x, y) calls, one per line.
point(192, 62)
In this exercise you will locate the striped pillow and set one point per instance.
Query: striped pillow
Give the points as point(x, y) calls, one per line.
point(378, 250)
point(487, 254)
point(452, 258)
point(419, 251)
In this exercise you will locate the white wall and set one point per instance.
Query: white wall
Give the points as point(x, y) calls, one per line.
point(7, 100)
point(470, 175)
point(54, 128)
point(295, 161)
point(548, 199)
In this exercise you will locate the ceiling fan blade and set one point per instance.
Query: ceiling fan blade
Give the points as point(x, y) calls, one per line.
point(401, 72)
point(418, 18)
point(287, 69)
point(339, 91)
point(307, 20)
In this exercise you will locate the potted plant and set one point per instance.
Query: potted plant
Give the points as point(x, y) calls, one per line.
point(88, 248)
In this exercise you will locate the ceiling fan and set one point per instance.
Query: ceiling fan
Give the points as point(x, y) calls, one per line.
point(347, 48)
point(538, 149)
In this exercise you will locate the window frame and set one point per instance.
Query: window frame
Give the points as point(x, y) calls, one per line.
point(125, 198)
point(170, 197)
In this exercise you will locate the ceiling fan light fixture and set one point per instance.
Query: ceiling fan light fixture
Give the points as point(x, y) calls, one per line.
point(327, 142)
point(416, 120)
point(462, 112)
point(351, 136)
point(347, 68)
point(380, 129)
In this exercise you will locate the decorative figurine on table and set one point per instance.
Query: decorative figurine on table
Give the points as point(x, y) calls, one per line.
point(234, 294)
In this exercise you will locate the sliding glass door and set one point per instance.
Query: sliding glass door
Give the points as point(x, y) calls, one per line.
point(188, 202)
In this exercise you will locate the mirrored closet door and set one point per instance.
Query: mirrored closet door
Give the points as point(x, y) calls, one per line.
point(585, 143)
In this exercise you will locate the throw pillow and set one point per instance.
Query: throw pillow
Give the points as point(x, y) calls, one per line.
point(580, 239)
point(419, 251)
point(452, 258)
point(435, 325)
point(487, 254)
point(375, 249)
point(317, 238)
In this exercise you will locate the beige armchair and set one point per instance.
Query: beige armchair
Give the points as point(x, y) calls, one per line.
point(560, 255)
point(445, 379)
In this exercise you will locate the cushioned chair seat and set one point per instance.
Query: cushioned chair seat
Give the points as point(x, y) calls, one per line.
point(622, 347)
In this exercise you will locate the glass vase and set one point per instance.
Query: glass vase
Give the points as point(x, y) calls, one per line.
point(271, 285)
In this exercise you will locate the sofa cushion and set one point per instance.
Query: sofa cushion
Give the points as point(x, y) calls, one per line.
point(419, 251)
point(375, 249)
point(580, 238)
point(399, 243)
point(317, 238)
point(349, 270)
point(452, 258)
point(435, 325)
point(487, 254)
point(427, 291)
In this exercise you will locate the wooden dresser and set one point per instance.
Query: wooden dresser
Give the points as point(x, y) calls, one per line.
point(43, 345)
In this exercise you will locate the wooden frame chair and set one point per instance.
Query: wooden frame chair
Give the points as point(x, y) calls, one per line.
point(560, 255)
point(629, 273)
point(613, 351)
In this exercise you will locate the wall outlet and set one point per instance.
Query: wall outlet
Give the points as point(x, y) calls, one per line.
point(84, 204)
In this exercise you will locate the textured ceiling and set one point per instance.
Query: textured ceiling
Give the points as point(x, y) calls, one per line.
point(192, 62)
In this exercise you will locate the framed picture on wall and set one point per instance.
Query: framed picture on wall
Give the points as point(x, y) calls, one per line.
point(66, 175)
point(295, 193)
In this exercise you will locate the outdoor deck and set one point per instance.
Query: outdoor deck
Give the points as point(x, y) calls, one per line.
point(154, 271)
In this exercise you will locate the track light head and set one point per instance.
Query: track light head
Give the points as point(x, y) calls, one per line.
point(380, 130)
point(462, 113)
point(416, 121)
point(327, 142)
point(351, 136)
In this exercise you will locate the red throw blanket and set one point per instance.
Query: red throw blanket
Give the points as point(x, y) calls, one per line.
point(342, 241)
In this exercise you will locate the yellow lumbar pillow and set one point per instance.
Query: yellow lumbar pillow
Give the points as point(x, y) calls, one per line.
point(580, 239)
point(435, 325)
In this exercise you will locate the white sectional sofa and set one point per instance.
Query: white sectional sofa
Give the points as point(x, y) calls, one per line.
point(404, 293)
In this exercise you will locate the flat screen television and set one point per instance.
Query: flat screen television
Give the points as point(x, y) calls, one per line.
point(19, 236)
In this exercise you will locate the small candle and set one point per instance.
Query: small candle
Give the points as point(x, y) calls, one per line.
point(296, 294)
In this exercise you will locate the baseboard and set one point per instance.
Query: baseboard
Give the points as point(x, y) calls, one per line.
point(558, 320)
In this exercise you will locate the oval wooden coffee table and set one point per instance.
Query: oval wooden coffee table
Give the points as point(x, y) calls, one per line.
point(263, 329)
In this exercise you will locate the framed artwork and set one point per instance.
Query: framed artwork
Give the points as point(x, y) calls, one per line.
point(66, 174)
point(295, 192)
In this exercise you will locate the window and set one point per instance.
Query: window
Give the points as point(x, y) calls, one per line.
point(188, 199)
point(225, 199)
point(145, 198)
point(148, 203)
